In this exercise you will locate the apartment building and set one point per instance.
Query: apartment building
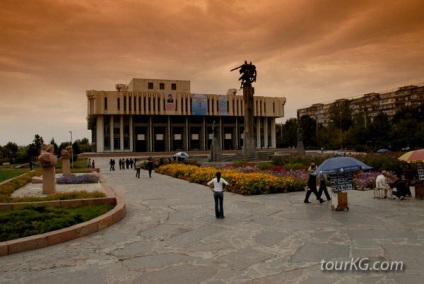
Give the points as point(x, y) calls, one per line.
point(370, 105)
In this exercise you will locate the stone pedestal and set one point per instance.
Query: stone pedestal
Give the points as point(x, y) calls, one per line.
point(215, 149)
point(49, 180)
point(66, 167)
point(249, 146)
point(300, 148)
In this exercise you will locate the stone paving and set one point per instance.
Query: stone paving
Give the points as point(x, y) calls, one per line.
point(170, 235)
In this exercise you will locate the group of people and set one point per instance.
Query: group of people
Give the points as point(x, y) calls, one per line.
point(91, 164)
point(130, 163)
point(400, 188)
point(312, 185)
point(139, 165)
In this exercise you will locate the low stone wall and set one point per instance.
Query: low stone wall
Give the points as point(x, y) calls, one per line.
point(59, 236)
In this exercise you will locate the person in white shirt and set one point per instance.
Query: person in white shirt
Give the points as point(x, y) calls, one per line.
point(382, 183)
point(218, 194)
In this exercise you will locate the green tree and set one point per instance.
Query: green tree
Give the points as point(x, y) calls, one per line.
point(309, 127)
point(34, 148)
point(378, 132)
point(290, 132)
point(56, 148)
point(10, 151)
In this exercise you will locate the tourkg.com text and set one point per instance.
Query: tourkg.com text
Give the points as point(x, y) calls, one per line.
point(361, 264)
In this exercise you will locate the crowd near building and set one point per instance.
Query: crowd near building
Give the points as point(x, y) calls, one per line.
point(153, 115)
point(369, 105)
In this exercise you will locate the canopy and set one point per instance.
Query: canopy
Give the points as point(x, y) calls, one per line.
point(417, 155)
point(340, 165)
point(181, 155)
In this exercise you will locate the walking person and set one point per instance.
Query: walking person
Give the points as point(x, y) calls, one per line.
point(312, 185)
point(323, 186)
point(218, 194)
point(137, 167)
point(149, 166)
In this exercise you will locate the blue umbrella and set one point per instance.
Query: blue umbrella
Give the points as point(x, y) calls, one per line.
point(340, 165)
point(383, 150)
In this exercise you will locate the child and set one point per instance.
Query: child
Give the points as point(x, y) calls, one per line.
point(218, 194)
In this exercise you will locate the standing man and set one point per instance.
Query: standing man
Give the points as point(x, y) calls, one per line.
point(149, 166)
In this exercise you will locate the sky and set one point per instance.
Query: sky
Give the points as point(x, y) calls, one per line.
point(308, 51)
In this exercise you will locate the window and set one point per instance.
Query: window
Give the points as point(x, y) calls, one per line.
point(162, 86)
point(150, 85)
point(105, 103)
point(119, 104)
point(173, 86)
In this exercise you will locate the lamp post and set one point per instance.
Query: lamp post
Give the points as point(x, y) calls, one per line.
point(72, 152)
point(340, 125)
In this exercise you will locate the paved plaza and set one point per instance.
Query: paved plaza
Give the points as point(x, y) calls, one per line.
point(170, 235)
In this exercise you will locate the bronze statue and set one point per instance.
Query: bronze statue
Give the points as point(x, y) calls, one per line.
point(248, 71)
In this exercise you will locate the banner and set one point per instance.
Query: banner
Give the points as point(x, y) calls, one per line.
point(170, 101)
point(222, 105)
point(199, 104)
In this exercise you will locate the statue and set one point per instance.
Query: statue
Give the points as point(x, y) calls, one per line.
point(300, 147)
point(48, 162)
point(65, 155)
point(248, 71)
point(299, 134)
point(47, 157)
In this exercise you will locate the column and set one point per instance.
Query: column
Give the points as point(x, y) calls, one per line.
point(273, 132)
point(258, 132)
point(100, 135)
point(132, 131)
point(266, 144)
point(112, 140)
point(121, 130)
point(168, 131)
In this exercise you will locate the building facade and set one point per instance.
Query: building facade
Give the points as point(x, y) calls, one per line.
point(369, 105)
point(153, 115)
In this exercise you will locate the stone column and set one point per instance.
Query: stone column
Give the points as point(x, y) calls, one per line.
point(249, 148)
point(49, 180)
point(66, 167)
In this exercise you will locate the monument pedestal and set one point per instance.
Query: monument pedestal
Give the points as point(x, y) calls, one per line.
point(66, 167)
point(249, 146)
point(49, 180)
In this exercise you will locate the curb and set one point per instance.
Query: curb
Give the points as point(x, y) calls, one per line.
point(63, 235)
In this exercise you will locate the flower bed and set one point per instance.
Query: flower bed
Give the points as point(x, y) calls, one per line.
point(78, 179)
point(245, 183)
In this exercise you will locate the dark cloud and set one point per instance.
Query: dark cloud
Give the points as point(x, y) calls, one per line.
point(307, 51)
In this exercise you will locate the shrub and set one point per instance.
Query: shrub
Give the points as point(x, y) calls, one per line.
point(82, 194)
point(33, 220)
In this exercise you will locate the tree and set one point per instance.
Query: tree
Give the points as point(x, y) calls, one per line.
point(38, 141)
point(10, 151)
point(309, 127)
point(378, 132)
point(35, 147)
point(340, 115)
point(290, 132)
point(56, 148)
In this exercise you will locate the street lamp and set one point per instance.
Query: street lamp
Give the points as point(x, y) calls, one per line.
point(72, 152)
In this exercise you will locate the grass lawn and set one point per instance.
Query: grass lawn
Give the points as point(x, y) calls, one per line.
point(8, 173)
